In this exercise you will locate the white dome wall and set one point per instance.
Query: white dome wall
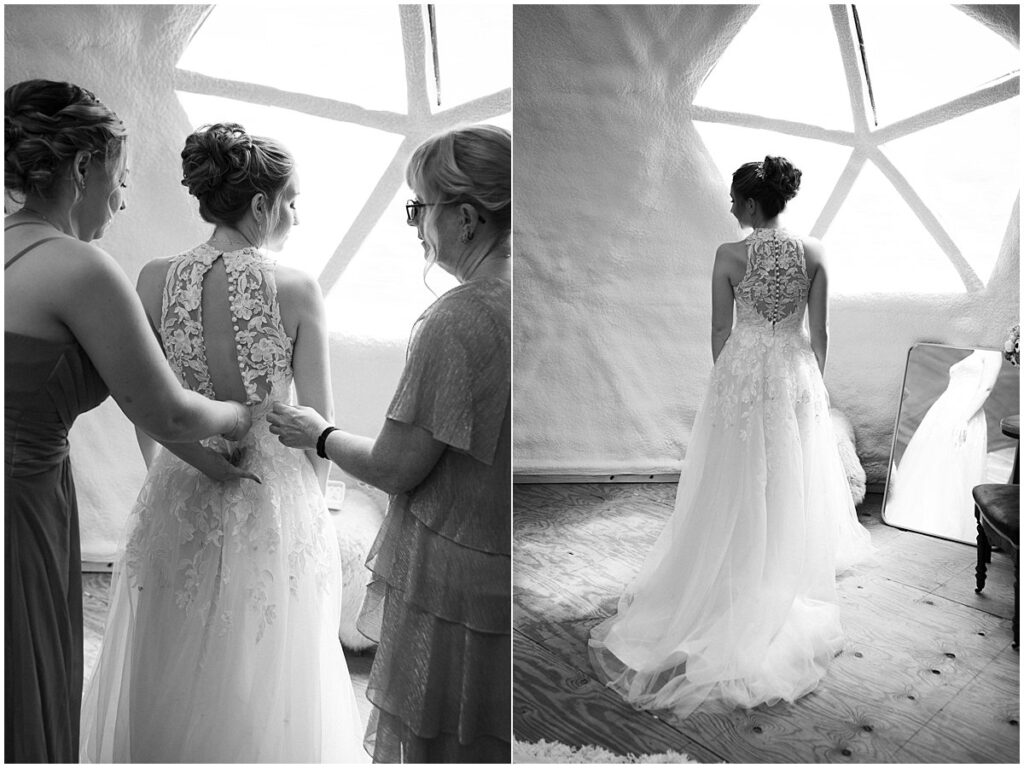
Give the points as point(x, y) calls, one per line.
point(618, 212)
point(126, 54)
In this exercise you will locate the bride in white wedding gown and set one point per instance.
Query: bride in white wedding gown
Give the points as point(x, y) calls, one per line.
point(735, 605)
point(221, 642)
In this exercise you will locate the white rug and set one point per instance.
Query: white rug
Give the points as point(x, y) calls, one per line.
point(554, 752)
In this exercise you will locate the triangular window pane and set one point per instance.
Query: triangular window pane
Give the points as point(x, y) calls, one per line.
point(877, 245)
point(966, 171)
point(783, 63)
point(323, 50)
point(921, 56)
point(460, 39)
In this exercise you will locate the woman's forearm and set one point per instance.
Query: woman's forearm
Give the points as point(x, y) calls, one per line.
point(398, 460)
point(354, 455)
point(819, 345)
point(188, 416)
point(718, 339)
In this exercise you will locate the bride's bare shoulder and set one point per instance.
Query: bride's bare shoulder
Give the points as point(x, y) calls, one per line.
point(153, 273)
point(298, 292)
point(732, 253)
point(814, 253)
point(293, 280)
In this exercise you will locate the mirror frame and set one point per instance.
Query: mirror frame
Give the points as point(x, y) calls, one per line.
point(895, 436)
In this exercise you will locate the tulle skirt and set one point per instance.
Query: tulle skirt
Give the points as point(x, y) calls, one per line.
point(221, 642)
point(735, 606)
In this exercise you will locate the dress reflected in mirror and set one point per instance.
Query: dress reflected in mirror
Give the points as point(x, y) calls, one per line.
point(930, 489)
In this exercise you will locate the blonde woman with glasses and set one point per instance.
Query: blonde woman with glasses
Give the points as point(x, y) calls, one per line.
point(439, 602)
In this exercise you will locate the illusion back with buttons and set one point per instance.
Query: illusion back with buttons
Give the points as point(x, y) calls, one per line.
point(261, 346)
point(773, 291)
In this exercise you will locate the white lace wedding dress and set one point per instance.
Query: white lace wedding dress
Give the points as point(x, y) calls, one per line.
point(221, 642)
point(735, 605)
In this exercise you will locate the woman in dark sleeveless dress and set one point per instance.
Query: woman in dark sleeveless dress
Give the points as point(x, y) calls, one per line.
point(440, 600)
point(74, 332)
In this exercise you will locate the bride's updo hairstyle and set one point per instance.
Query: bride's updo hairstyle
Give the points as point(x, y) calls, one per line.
point(471, 164)
point(772, 183)
point(224, 167)
point(46, 124)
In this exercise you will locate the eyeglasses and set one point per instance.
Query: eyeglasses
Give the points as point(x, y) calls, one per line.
point(412, 210)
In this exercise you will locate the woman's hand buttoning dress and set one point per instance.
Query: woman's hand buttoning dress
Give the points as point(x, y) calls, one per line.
point(74, 332)
point(221, 643)
point(735, 606)
point(439, 602)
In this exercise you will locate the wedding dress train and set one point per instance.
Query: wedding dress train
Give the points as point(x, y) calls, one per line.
point(736, 604)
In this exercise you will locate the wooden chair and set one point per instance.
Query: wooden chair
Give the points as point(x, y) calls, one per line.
point(997, 510)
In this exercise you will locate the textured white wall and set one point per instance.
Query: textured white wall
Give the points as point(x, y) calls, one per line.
point(618, 212)
point(126, 55)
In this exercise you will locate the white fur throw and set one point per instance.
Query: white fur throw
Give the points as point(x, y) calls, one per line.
point(846, 440)
point(356, 524)
point(554, 752)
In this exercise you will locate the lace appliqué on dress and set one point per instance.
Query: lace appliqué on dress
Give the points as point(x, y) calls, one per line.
point(775, 283)
point(264, 349)
point(756, 381)
point(182, 511)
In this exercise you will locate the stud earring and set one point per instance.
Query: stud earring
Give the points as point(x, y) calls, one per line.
point(465, 236)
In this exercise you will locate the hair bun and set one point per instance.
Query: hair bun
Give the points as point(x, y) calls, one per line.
point(780, 174)
point(13, 133)
point(45, 124)
point(215, 155)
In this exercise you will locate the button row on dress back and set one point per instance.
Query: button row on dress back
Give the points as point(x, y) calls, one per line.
point(232, 280)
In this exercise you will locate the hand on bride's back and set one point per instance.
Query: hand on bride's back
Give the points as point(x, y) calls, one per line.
point(224, 467)
point(296, 426)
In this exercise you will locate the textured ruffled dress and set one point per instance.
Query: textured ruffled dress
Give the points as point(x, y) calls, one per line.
point(439, 602)
point(736, 604)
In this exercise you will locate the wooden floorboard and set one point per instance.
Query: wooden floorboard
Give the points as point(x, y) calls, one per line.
point(927, 673)
point(556, 702)
point(944, 734)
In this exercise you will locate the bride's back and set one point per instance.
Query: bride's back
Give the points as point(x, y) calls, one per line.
point(219, 336)
point(220, 324)
point(775, 284)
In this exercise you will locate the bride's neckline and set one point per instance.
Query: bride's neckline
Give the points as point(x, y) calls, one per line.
point(210, 246)
point(761, 231)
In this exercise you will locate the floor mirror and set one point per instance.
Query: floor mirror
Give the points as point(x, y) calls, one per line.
point(948, 438)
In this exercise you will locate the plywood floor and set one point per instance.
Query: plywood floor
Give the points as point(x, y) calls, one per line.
point(95, 603)
point(928, 673)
